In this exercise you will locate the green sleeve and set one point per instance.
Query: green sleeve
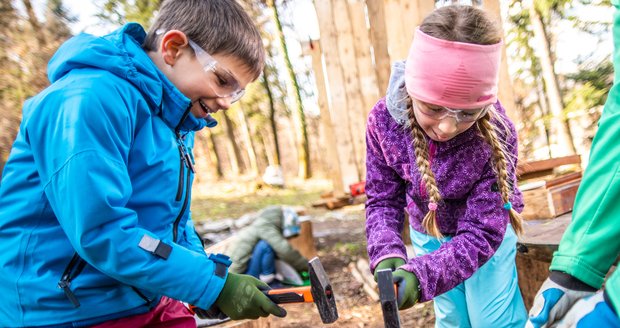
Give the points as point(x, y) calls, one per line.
point(612, 287)
point(591, 242)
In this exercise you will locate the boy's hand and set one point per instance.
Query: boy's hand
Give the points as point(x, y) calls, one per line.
point(553, 301)
point(592, 311)
point(242, 298)
point(390, 263)
point(408, 288)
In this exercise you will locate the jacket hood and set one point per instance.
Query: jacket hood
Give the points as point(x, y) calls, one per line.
point(121, 54)
point(396, 94)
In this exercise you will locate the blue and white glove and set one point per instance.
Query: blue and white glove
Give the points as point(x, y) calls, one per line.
point(593, 311)
point(555, 297)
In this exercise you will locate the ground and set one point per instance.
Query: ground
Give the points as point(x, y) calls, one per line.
point(340, 240)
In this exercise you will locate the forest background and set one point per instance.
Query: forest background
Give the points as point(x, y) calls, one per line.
point(558, 59)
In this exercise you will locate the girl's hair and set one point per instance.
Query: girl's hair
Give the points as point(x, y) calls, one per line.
point(218, 26)
point(470, 25)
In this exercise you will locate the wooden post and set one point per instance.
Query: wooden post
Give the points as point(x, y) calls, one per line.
point(304, 242)
point(355, 106)
point(338, 102)
point(313, 48)
point(505, 93)
point(402, 17)
point(379, 41)
point(361, 41)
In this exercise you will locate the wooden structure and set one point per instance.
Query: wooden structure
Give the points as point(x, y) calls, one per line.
point(360, 39)
point(535, 251)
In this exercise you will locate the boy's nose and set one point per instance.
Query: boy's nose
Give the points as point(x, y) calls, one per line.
point(224, 102)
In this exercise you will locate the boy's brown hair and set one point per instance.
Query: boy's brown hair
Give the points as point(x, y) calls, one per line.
point(218, 26)
point(469, 25)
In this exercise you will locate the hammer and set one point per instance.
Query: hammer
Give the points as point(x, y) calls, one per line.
point(387, 297)
point(320, 292)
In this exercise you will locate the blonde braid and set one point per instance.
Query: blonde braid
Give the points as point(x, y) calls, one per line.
point(421, 155)
point(500, 164)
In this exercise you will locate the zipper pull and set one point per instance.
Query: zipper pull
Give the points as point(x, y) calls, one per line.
point(188, 160)
point(65, 285)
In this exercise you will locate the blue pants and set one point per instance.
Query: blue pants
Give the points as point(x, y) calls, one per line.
point(262, 261)
point(489, 298)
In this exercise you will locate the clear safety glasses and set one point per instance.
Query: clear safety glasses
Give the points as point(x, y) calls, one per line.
point(224, 83)
point(440, 112)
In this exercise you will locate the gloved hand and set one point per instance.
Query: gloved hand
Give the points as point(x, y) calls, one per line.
point(242, 298)
point(408, 288)
point(389, 263)
point(554, 298)
point(592, 311)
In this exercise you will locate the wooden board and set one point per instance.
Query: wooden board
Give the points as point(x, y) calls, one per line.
point(532, 169)
point(536, 246)
point(554, 198)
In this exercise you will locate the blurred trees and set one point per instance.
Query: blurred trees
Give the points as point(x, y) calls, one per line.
point(559, 110)
point(27, 44)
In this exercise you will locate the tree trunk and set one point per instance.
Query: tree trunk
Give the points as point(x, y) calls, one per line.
point(247, 136)
point(234, 155)
point(34, 23)
point(212, 153)
point(272, 119)
point(303, 150)
point(556, 105)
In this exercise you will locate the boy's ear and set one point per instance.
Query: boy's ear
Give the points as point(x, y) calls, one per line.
point(172, 44)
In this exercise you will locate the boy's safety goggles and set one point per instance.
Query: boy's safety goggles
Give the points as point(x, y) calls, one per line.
point(224, 81)
point(440, 112)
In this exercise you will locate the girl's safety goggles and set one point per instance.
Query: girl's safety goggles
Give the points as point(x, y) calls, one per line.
point(440, 112)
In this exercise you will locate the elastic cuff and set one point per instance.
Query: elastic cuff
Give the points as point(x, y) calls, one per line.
point(609, 302)
point(568, 281)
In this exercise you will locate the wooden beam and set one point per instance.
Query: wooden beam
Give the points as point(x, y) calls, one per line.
point(338, 102)
point(379, 41)
point(547, 164)
point(334, 171)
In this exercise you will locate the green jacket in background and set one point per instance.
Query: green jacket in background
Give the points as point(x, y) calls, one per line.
point(591, 242)
point(268, 227)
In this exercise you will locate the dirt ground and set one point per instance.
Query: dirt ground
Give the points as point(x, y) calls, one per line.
point(340, 239)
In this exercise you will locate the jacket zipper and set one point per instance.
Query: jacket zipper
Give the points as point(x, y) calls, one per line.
point(73, 269)
point(187, 160)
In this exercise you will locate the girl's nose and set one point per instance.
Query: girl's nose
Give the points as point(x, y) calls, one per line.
point(448, 125)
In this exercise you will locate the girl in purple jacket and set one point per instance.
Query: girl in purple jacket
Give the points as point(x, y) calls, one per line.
point(440, 146)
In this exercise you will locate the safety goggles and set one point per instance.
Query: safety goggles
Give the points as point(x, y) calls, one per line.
point(223, 81)
point(440, 112)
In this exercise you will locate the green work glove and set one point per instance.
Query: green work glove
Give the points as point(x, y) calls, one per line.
point(408, 288)
point(242, 298)
point(390, 263)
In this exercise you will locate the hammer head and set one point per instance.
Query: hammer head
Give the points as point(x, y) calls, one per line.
point(387, 296)
point(322, 291)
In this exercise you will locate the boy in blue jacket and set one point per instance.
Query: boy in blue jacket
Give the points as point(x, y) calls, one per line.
point(95, 226)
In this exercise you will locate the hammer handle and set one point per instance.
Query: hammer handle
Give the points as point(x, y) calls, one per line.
point(290, 295)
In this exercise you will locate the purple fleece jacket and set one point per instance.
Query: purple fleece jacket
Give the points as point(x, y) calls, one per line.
point(471, 211)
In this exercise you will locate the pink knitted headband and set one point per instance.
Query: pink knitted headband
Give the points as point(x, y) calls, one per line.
point(452, 74)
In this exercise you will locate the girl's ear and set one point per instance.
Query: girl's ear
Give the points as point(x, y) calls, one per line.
point(172, 45)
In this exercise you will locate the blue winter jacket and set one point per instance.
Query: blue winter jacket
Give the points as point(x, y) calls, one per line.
point(94, 198)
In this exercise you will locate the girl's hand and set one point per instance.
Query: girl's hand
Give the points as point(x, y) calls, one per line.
point(408, 288)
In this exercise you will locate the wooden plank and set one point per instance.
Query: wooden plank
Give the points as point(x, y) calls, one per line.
point(379, 41)
point(361, 41)
point(506, 91)
point(355, 106)
point(334, 170)
point(304, 242)
point(538, 204)
point(338, 102)
point(563, 179)
point(563, 196)
point(548, 164)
